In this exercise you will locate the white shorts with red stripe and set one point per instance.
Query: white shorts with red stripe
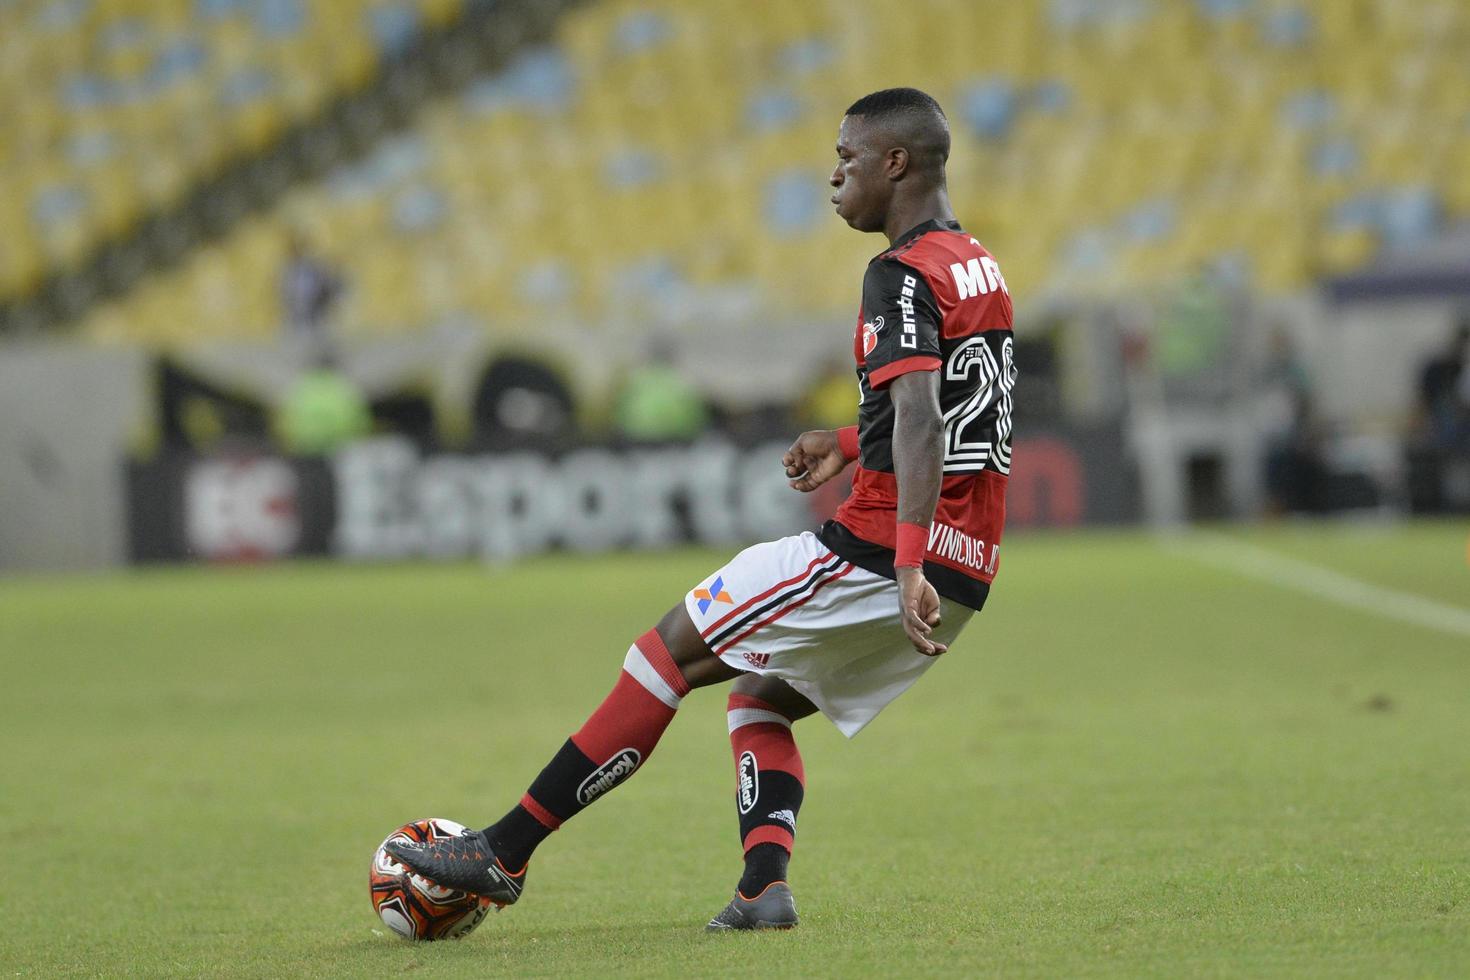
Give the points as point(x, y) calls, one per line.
point(794, 610)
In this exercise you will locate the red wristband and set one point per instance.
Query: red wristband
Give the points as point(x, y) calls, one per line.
point(847, 442)
point(913, 541)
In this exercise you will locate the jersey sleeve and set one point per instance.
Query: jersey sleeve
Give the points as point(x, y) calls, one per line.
point(900, 323)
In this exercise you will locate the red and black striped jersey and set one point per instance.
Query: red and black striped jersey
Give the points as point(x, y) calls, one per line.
point(935, 301)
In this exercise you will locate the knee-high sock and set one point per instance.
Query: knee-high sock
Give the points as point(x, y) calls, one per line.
point(617, 739)
point(770, 781)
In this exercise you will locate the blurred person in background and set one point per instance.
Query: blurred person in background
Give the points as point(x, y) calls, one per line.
point(657, 403)
point(522, 402)
point(1444, 393)
point(1193, 330)
point(1294, 469)
point(323, 410)
point(310, 288)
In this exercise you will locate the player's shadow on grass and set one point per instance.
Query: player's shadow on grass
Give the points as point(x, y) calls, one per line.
point(651, 931)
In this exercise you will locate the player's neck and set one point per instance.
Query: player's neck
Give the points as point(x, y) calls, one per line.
point(930, 206)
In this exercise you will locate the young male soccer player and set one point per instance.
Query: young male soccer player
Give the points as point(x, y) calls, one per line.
point(845, 620)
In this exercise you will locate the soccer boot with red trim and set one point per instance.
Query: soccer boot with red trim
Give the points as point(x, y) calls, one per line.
point(773, 908)
point(466, 863)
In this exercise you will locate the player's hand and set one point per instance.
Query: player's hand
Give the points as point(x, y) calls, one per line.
point(919, 607)
point(813, 459)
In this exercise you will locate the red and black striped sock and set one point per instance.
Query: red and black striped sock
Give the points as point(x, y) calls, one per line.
point(617, 739)
point(769, 784)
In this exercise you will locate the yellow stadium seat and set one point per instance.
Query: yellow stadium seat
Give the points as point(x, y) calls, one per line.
point(97, 76)
point(1175, 109)
point(440, 12)
point(1344, 251)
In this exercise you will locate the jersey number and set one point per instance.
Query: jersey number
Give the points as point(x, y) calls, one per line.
point(971, 442)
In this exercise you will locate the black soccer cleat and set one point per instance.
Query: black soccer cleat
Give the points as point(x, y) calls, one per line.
point(773, 908)
point(466, 863)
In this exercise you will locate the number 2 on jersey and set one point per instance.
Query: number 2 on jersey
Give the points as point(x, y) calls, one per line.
point(977, 431)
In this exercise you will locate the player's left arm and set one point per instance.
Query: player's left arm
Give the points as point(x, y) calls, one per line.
point(903, 357)
point(918, 467)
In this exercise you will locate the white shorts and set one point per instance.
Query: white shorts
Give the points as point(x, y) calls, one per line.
point(792, 609)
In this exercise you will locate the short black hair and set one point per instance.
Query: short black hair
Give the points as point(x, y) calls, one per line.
point(916, 120)
point(895, 100)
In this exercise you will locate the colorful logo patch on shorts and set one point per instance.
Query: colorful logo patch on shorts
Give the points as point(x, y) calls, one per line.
point(715, 593)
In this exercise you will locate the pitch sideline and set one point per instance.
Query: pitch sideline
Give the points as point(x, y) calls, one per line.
point(1304, 577)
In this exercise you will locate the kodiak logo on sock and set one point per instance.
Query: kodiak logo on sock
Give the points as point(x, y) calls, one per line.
point(748, 779)
point(608, 775)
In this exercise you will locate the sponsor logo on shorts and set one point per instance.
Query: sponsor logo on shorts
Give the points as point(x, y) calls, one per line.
point(715, 593)
point(725, 634)
point(785, 816)
point(761, 660)
point(608, 775)
point(747, 782)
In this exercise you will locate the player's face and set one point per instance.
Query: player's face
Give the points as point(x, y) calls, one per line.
point(863, 189)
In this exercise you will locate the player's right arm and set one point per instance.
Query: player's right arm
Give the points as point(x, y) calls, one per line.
point(817, 456)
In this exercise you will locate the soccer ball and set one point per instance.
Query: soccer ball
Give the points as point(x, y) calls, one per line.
point(413, 906)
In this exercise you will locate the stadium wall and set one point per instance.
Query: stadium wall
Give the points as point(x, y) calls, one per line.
point(67, 415)
point(382, 500)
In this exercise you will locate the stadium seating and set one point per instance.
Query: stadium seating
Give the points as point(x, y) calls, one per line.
point(671, 154)
point(116, 107)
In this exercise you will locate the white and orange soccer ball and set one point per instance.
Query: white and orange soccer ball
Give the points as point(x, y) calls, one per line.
point(410, 904)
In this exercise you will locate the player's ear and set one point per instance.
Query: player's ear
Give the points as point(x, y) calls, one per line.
point(897, 163)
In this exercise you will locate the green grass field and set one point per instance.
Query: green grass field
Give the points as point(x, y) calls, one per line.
point(1133, 764)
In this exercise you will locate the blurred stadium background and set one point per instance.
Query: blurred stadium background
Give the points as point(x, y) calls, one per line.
point(466, 281)
point(291, 277)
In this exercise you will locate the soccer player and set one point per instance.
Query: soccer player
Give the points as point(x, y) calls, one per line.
point(844, 620)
